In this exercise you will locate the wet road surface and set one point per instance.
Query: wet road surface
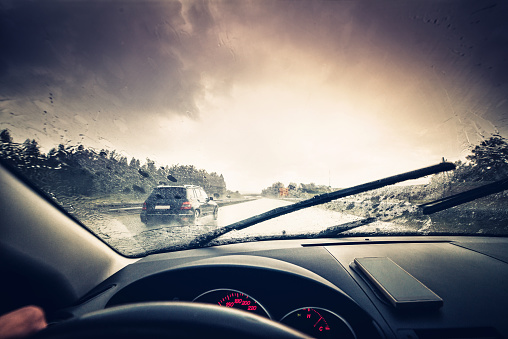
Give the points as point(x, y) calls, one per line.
point(127, 233)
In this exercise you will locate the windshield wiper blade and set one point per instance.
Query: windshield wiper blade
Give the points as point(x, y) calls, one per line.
point(467, 196)
point(205, 238)
point(426, 209)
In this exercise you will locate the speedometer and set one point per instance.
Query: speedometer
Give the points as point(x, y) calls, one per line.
point(319, 323)
point(233, 299)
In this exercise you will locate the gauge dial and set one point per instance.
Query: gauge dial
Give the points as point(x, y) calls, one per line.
point(233, 299)
point(319, 323)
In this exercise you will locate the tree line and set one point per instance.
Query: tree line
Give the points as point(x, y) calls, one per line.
point(76, 170)
point(294, 190)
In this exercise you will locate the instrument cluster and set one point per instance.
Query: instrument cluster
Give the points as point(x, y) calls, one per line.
point(272, 289)
point(314, 321)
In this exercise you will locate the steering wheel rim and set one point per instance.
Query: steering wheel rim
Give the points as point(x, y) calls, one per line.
point(169, 320)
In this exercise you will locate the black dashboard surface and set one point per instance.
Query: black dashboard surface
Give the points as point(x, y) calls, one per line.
point(470, 274)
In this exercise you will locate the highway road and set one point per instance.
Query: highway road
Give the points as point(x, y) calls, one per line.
point(125, 230)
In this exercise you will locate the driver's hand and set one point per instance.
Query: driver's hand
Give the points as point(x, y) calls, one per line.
point(22, 322)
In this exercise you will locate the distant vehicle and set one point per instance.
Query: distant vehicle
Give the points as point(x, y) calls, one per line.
point(186, 202)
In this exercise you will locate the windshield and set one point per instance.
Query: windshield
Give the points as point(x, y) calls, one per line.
point(155, 123)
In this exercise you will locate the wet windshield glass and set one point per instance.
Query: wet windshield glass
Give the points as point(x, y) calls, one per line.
point(247, 106)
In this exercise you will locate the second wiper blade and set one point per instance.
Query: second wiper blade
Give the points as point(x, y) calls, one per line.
point(424, 209)
point(203, 239)
point(467, 196)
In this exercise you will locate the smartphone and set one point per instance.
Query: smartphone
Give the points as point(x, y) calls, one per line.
point(400, 288)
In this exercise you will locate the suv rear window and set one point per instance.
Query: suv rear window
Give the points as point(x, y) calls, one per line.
point(169, 193)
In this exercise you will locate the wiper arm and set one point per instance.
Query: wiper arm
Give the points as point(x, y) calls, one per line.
point(334, 230)
point(205, 238)
point(426, 209)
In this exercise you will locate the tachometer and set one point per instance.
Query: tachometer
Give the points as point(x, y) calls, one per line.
point(319, 323)
point(233, 299)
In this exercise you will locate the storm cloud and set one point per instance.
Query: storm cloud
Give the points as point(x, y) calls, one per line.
point(157, 54)
point(135, 54)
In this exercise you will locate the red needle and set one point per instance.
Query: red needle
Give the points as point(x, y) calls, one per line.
point(318, 321)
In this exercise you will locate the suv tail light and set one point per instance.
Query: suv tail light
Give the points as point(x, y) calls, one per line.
point(144, 206)
point(186, 205)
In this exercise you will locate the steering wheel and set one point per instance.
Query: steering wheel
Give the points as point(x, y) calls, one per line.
point(169, 320)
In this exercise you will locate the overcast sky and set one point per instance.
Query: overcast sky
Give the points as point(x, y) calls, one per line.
point(260, 91)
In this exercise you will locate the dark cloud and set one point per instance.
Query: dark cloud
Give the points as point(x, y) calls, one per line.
point(155, 52)
point(135, 52)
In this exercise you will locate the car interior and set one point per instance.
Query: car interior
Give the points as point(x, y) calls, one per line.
point(280, 119)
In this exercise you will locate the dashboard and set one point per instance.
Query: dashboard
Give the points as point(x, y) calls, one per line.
point(310, 285)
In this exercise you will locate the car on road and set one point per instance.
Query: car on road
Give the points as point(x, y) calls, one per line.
point(187, 203)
